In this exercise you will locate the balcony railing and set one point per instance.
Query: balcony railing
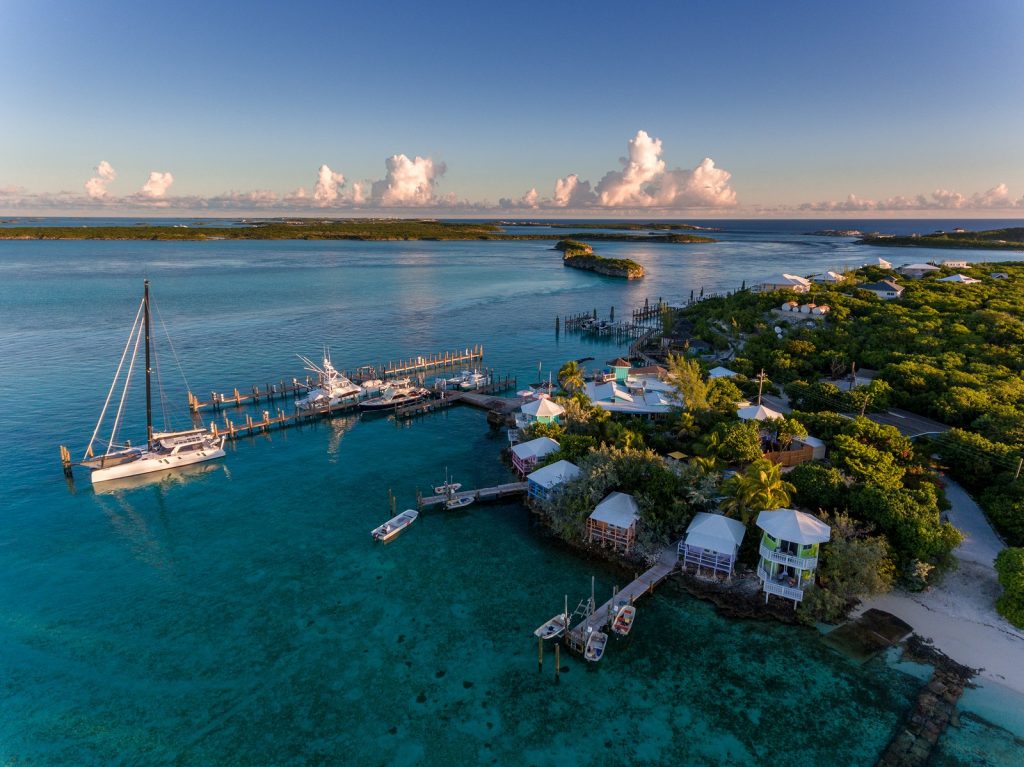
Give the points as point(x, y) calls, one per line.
point(772, 586)
point(801, 563)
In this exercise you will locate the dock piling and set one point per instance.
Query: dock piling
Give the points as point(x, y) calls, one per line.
point(540, 654)
point(558, 663)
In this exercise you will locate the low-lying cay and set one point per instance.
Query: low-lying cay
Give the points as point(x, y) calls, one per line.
point(580, 255)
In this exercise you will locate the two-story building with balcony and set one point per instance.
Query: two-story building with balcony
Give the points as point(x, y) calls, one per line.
point(789, 552)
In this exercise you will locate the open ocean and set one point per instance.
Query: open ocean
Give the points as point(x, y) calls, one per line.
point(241, 614)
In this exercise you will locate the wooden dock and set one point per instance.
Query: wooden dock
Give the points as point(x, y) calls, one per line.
point(496, 493)
point(481, 397)
point(280, 420)
point(602, 616)
point(269, 392)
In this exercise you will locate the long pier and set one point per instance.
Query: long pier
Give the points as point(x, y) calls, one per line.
point(269, 392)
point(478, 397)
point(498, 492)
point(644, 584)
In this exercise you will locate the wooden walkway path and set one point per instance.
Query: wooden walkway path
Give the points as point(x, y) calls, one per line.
point(495, 493)
point(643, 585)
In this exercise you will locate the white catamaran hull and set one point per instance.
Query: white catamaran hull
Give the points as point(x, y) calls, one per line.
point(150, 462)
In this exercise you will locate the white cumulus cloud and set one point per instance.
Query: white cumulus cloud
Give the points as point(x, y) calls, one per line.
point(408, 182)
point(157, 185)
point(96, 187)
point(634, 184)
point(327, 183)
point(996, 198)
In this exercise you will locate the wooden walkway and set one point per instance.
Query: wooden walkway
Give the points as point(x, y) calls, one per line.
point(643, 585)
point(498, 492)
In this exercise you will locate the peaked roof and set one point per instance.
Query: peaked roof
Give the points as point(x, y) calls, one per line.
point(542, 408)
point(919, 268)
point(795, 526)
point(715, 532)
point(757, 413)
point(786, 279)
point(884, 264)
point(618, 362)
point(554, 474)
point(618, 509)
point(535, 448)
point(884, 285)
point(720, 372)
point(959, 278)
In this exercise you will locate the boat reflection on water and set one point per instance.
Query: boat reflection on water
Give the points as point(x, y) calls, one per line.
point(160, 479)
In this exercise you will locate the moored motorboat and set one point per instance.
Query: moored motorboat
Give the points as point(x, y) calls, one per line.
point(623, 622)
point(474, 380)
point(395, 525)
point(595, 646)
point(458, 502)
point(334, 389)
point(553, 628)
point(393, 397)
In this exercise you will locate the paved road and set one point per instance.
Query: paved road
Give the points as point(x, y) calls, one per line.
point(909, 424)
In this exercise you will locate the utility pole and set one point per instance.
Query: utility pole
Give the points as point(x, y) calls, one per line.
point(760, 384)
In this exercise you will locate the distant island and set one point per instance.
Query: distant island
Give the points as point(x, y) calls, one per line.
point(993, 239)
point(325, 229)
point(628, 225)
point(837, 233)
point(579, 255)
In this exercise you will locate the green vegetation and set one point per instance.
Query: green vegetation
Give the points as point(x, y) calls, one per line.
point(993, 239)
point(951, 352)
point(318, 229)
point(1010, 568)
point(580, 255)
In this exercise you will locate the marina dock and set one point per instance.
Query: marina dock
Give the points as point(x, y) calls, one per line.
point(601, 616)
point(496, 493)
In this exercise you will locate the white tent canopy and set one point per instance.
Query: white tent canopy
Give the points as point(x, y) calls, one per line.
point(794, 526)
point(555, 474)
point(757, 413)
point(618, 509)
point(543, 408)
point(715, 532)
point(535, 448)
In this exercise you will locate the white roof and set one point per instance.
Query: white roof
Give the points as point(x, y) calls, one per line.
point(618, 509)
point(786, 279)
point(542, 408)
point(884, 264)
point(757, 413)
point(615, 399)
point(715, 532)
point(720, 372)
point(795, 526)
point(959, 278)
point(919, 268)
point(555, 474)
point(535, 448)
point(812, 441)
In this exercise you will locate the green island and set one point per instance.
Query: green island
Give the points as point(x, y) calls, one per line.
point(580, 255)
point(952, 353)
point(993, 239)
point(319, 229)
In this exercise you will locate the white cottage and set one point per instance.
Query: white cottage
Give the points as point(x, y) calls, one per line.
point(543, 483)
point(712, 541)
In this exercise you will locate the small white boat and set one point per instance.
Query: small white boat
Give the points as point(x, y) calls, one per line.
point(474, 380)
point(395, 525)
point(392, 398)
point(553, 628)
point(372, 387)
point(458, 502)
point(595, 646)
point(623, 622)
point(448, 488)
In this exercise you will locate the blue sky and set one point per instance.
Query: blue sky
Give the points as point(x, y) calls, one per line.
point(911, 107)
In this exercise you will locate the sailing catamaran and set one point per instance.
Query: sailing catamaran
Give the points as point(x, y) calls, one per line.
point(163, 450)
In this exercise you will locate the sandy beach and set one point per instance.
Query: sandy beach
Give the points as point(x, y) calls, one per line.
point(959, 614)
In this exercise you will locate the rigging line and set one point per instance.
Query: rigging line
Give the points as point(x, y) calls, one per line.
point(170, 343)
point(113, 383)
point(160, 388)
point(124, 392)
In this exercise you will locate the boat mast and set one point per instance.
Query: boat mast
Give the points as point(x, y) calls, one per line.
point(149, 391)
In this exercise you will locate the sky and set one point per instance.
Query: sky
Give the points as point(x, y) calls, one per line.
point(691, 108)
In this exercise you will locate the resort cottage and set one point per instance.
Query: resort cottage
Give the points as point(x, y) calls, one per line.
point(789, 552)
point(614, 522)
point(526, 454)
point(721, 372)
point(886, 289)
point(952, 263)
point(544, 482)
point(645, 395)
point(829, 277)
point(961, 278)
point(712, 541)
point(783, 282)
point(542, 410)
point(916, 271)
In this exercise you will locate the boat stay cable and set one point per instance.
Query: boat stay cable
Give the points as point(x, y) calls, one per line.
point(113, 384)
point(124, 392)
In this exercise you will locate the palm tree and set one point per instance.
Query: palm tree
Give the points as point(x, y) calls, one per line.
point(761, 487)
point(570, 377)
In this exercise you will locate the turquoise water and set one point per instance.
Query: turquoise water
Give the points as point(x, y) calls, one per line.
point(240, 614)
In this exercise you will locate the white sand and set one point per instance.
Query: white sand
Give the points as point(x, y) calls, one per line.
point(959, 614)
